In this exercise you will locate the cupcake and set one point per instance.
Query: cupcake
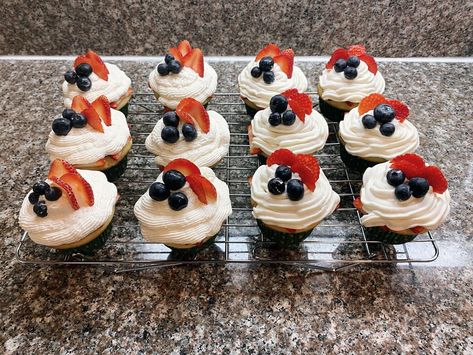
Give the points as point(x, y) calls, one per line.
point(348, 77)
point(289, 122)
point(185, 208)
point(91, 78)
point(290, 197)
point(376, 131)
point(402, 198)
point(91, 136)
point(72, 210)
point(271, 73)
point(191, 133)
point(183, 73)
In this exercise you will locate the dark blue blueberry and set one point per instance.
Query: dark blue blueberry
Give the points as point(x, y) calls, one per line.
point(40, 209)
point(53, 194)
point(174, 67)
point(402, 192)
point(189, 132)
point(84, 83)
point(278, 103)
point(283, 172)
point(384, 113)
point(33, 197)
point(168, 58)
point(266, 64)
point(340, 65)
point(61, 126)
point(158, 191)
point(163, 69)
point(170, 134)
point(369, 121)
point(353, 61)
point(419, 187)
point(70, 76)
point(295, 189)
point(274, 119)
point(387, 129)
point(68, 113)
point(276, 186)
point(177, 201)
point(174, 179)
point(268, 77)
point(40, 187)
point(395, 177)
point(78, 120)
point(350, 73)
point(256, 72)
point(83, 69)
point(171, 119)
point(288, 118)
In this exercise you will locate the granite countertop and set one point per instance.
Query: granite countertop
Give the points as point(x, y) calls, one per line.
point(422, 308)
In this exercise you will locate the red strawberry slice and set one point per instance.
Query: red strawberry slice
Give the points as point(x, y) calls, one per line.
point(285, 62)
point(370, 102)
point(102, 107)
point(402, 111)
point(82, 59)
point(195, 60)
point(184, 47)
point(288, 52)
point(67, 190)
point(357, 49)
point(411, 165)
point(93, 119)
point(98, 66)
point(80, 104)
point(370, 62)
point(308, 169)
point(358, 205)
point(281, 157)
point(300, 103)
point(291, 92)
point(191, 111)
point(203, 188)
point(176, 54)
point(271, 50)
point(414, 159)
point(60, 167)
point(184, 166)
point(340, 53)
point(436, 178)
point(81, 188)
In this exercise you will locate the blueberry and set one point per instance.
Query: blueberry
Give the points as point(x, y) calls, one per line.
point(402, 192)
point(384, 113)
point(268, 77)
point(158, 191)
point(278, 103)
point(387, 129)
point(369, 121)
point(340, 65)
point(53, 194)
point(40, 209)
point(283, 172)
point(174, 179)
point(84, 69)
point(163, 69)
point(276, 186)
point(274, 119)
point(189, 132)
point(174, 67)
point(350, 73)
point(70, 76)
point(68, 113)
point(40, 187)
point(256, 72)
point(395, 177)
point(61, 126)
point(177, 201)
point(419, 186)
point(171, 119)
point(84, 83)
point(168, 58)
point(295, 189)
point(33, 197)
point(170, 134)
point(266, 64)
point(78, 120)
point(288, 118)
point(353, 61)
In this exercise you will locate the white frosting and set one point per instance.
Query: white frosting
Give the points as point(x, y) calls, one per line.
point(114, 88)
point(206, 149)
point(280, 211)
point(86, 145)
point(365, 143)
point(172, 88)
point(63, 224)
point(301, 137)
point(384, 209)
point(191, 225)
point(338, 88)
point(260, 93)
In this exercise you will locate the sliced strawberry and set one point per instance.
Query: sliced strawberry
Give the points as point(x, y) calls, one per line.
point(176, 54)
point(81, 59)
point(409, 169)
point(203, 188)
point(370, 102)
point(340, 53)
point(370, 62)
point(308, 169)
point(184, 47)
point(300, 103)
point(271, 50)
point(191, 111)
point(81, 188)
point(93, 119)
point(60, 167)
point(414, 159)
point(285, 62)
point(358, 205)
point(184, 166)
point(195, 60)
point(80, 104)
point(436, 178)
point(288, 52)
point(402, 111)
point(291, 92)
point(98, 66)
point(281, 157)
point(357, 49)
point(418, 230)
point(102, 107)
point(67, 190)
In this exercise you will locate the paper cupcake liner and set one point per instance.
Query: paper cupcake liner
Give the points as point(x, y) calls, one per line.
point(262, 159)
point(250, 111)
point(387, 236)
point(281, 238)
point(124, 109)
point(194, 249)
point(332, 113)
point(114, 172)
point(92, 246)
point(354, 163)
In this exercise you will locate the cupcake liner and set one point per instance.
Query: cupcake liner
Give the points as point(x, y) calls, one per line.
point(387, 236)
point(354, 163)
point(124, 109)
point(332, 113)
point(262, 159)
point(282, 239)
point(92, 246)
point(250, 111)
point(114, 172)
point(195, 249)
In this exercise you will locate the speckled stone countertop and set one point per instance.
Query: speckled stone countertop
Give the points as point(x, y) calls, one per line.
point(422, 308)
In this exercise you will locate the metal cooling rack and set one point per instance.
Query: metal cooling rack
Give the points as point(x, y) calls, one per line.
point(338, 242)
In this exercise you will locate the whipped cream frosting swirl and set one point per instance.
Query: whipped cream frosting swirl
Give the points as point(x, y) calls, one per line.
point(114, 88)
point(86, 145)
point(207, 149)
point(280, 211)
point(301, 137)
point(193, 224)
point(384, 209)
point(63, 224)
point(336, 87)
point(172, 88)
point(366, 143)
point(260, 93)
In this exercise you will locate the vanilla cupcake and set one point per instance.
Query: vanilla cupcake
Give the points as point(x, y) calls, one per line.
point(91, 136)
point(289, 122)
point(185, 208)
point(271, 73)
point(191, 133)
point(348, 77)
point(402, 198)
point(183, 73)
point(290, 197)
point(91, 78)
point(72, 210)
point(376, 131)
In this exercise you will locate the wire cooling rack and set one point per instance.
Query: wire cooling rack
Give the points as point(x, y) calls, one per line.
point(338, 242)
